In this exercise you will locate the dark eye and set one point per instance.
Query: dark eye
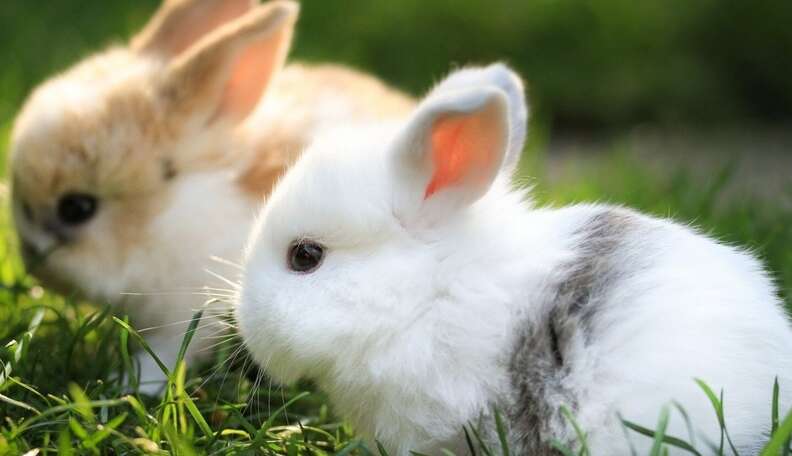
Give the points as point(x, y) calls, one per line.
point(305, 256)
point(76, 208)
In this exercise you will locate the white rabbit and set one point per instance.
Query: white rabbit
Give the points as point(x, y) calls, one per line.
point(395, 266)
point(136, 166)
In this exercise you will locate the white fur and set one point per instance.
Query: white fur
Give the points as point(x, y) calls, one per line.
point(163, 284)
point(409, 326)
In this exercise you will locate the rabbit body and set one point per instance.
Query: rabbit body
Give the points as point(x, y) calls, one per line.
point(154, 143)
point(442, 293)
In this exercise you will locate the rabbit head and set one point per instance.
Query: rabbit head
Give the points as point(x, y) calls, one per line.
point(96, 150)
point(348, 257)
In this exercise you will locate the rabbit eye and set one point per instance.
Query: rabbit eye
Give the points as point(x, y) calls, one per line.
point(76, 208)
point(305, 256)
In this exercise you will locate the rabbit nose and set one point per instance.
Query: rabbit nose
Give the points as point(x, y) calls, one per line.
point(29, 250)
point(57, 230)
point(32, 255)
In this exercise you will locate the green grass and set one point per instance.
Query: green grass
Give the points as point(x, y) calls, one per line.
point(59, 381)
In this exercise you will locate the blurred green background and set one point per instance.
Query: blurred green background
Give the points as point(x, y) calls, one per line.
point(590, 64)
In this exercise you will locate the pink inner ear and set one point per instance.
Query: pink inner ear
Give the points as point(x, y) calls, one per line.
point(465, 148)
point(252, 73)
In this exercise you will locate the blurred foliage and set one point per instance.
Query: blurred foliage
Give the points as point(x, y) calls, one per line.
point(589, 64)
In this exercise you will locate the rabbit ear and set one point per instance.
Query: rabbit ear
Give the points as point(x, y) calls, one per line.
point(226, 73)
point(504, 78)
point(470, 129)
point(178, 24)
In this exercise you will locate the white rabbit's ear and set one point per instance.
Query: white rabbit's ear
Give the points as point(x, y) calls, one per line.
point(504, 78)
point(227, 72)
point(468, 130)
point(178, 24)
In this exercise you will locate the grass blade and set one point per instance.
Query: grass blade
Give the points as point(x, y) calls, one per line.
point(561, 448)
point(261, 435)
point(20, 349)
point(196, 415)
point(469, 442)
point(667, 439)
point(691, 433)
point(64, 443)
point(249, 428)
point(188, 335)
point(381, 449)
point(581, 436)
point(659, 434)
point(351, 446)
point(483, 446)
point(281, 409)
point(626, 432)
point(106, 430)
point(501, 429)
point(716, 404)
point(780, 440)
point(82, 404)
point(129, 371)
point(725, 429)
point(20, 404)
point(774, 411)
point(25, 425)
point(143, 344)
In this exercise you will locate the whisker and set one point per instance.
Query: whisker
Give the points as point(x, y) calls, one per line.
point(269, 398)
point(218, 289)
point(246, 366)
point(223, 339)
point(203, 325)
point(226, 262)
point(285, 410)
point(252, 402)
point(220, 292)
point(224, 298)
point(185, 292)
point(229, 282)
point(227, 364)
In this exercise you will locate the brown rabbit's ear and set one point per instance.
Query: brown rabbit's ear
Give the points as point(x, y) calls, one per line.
point(226, 73)
point(178, 24)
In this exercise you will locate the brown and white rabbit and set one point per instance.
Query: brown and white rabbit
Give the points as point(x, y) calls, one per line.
point(136, 166)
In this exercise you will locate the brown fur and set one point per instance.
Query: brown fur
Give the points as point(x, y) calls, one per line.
point(301, 88)
point(125, 124)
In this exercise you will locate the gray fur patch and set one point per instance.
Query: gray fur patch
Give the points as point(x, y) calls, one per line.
point(540, 362)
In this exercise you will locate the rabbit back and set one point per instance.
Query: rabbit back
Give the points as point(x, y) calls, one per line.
point(642, 307)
